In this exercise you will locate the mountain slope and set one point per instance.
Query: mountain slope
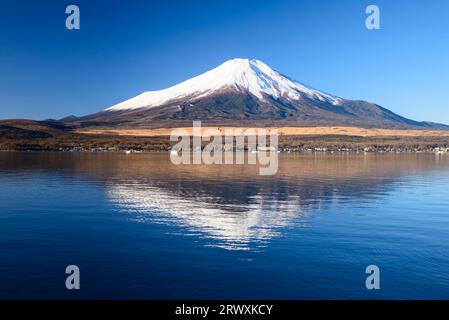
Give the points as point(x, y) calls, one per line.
point(243, 75)
point(243, 92)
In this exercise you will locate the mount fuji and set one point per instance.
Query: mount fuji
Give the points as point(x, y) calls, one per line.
point(243, 92)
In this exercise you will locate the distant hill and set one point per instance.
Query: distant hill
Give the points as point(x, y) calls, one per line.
point(29, 129)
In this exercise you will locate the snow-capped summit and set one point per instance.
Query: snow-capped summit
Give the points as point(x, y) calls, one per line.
point(243, 92)
point(245, 75)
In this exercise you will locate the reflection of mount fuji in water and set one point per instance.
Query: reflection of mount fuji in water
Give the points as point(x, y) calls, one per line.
point(238, 209)
point(233, 225)
point(233, 207)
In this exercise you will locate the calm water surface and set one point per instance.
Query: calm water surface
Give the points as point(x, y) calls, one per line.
point(141, 228)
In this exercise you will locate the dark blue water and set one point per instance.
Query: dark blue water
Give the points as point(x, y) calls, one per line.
point(139, 227)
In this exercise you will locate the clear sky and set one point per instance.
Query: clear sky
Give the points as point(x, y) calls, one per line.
point(126, 47)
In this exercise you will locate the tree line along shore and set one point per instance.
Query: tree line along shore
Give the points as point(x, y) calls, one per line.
point(290, 143)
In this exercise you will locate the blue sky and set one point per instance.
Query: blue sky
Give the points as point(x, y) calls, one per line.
point(125, 48)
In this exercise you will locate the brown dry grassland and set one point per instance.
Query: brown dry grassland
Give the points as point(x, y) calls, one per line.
point(284, 131)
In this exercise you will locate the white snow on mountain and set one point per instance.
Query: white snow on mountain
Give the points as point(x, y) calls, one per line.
point(251, 76)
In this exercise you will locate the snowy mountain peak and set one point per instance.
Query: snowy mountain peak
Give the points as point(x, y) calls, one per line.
point(245, 75)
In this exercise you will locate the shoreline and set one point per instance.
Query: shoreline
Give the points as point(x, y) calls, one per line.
point(282, 151)
point(313, 139)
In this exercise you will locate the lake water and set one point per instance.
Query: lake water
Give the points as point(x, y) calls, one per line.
point(140, 227)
